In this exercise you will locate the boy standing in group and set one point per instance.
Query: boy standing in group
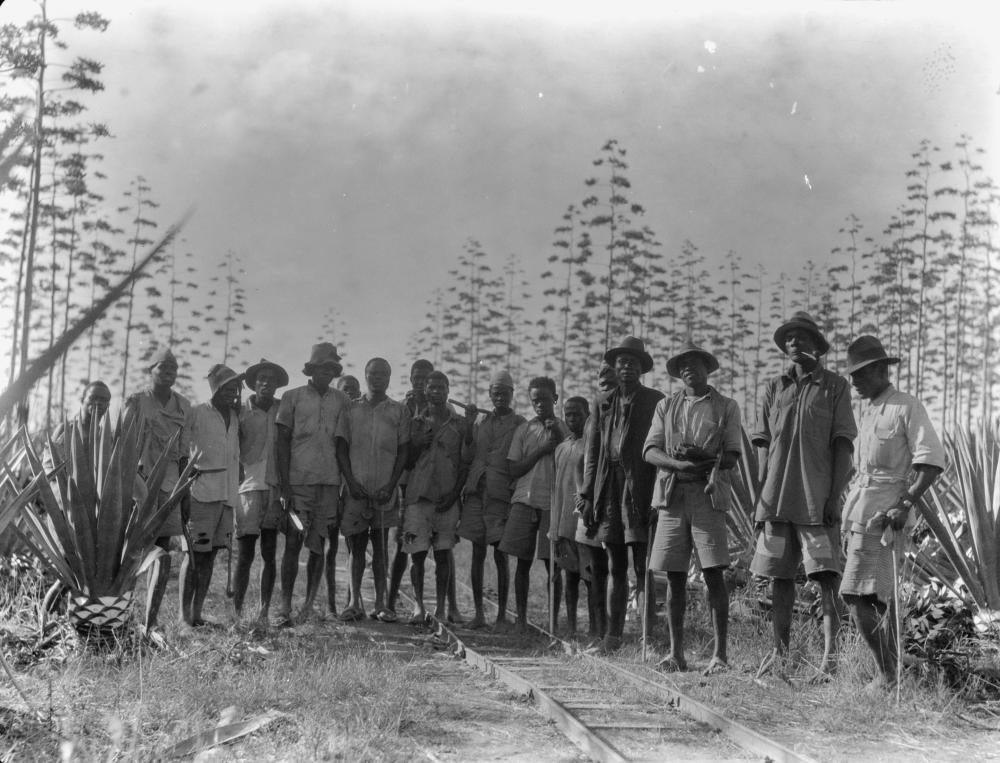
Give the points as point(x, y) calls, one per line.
point(259, 508)
point(532, 464)
point(487, 493)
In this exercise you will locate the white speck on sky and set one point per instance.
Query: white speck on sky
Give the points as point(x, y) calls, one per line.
point(808, 184)
point(710, 46)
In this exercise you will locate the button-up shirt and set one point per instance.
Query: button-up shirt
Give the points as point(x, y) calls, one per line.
point(895, 434)
point(569, 475)
point(161, 422)
point(219, 462)
point(439, 465)
point(534, 488)
point(375, 433)
point(258, 450)
point(798, 421)
point(314, 420)
point(489, 474)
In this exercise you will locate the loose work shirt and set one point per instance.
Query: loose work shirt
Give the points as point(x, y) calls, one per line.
point(534, 488)
point(219, 462)
point(375, 433)
point(161, 422)
point(798, 421)
point(258, 449)
point(489, 474)
point(569, 475)
point(896, 433)
point(439, 464)
point(315, 420)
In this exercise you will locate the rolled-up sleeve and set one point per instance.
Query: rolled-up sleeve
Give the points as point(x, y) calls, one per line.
point(656, 438)
point(733, 436)
point(923, 439)
point(843, 415)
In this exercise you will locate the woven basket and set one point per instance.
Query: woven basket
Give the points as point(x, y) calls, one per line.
point(102, 617)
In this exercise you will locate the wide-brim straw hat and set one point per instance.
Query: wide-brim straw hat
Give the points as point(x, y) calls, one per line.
point(323, 353)
point(690, 348)
point(631, 346)
point(220, 375)
point(864, 351)
point(250, 375)
point(801, 320)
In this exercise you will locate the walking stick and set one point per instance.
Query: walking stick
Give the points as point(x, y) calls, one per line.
point(889, 539)
point(553, 604)
point(648, 583)
point(229, 566)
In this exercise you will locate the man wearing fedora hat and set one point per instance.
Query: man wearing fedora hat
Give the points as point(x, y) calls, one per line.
point(259, 507)
point(694, 440)
point(896, 439)
point(804, 435)
point(309, 420)
point(163, 412)
point(214, 430)
point(618, 483)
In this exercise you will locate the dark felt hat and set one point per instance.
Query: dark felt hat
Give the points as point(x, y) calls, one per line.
point(220, 375)
point(251, 373)
point(864, 351)
point(801, 320)
point(323, 353)
point(690, 348)
point(631, 346)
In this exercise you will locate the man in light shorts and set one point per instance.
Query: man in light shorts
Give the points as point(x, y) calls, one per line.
point(371, 458)
point(430, 518)
point(896, 436)
point(804, 439)
point(214, 430)
point(259, 508)
point(694, 440)
point(533, 465)
point(487, 493)
point(164, 412)
point(309, 420)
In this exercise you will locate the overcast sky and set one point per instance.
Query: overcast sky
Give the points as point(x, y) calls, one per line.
point(346, 150)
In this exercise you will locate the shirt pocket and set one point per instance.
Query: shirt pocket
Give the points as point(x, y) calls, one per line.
point(817, 421)
point(885, 439)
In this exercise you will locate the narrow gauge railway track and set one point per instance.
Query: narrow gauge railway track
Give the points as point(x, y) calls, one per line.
point(612, 712)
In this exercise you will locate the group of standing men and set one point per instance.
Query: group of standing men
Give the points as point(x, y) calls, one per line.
point(632, 471)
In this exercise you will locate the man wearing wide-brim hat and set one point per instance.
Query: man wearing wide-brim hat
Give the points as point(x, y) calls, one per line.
point(214, 431)
point(163, 412)
point(309, 420)
point(618, 483)
point(895, 437)
point(694, 440)
point(804, 435)
point(259, 507)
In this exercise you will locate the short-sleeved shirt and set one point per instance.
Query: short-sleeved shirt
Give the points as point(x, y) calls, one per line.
point(895, 434)
point(375, 433)
point(258, 437)
point(489, 473)
point(315, 420)
point(534, 488)
point(161, 422)
point(219, 462)
point(439, 465)
point(569, 473)
point(798, 421)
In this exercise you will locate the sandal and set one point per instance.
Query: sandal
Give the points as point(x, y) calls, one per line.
point(351, 614)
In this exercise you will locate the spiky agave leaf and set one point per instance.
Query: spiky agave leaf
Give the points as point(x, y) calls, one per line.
point(113, 508)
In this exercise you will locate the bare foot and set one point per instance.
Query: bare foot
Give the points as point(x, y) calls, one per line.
point(775, 664)
point(502, 626)
point(715, 666)
point(824, 673)
point(521, 627)
point(671, 664)
point(476, 623)
point(455, 617)
point(419, 617)
point(439, 614)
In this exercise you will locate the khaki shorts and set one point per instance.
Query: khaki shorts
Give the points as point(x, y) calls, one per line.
point(483, 521)
point(868, 570)
point(358, 517)
point(318, 506)
point(424, 527)
point(258, 510)
point(689, 525)
point(782, 545)
point(210, 525)
point(172, 524)
point(527, 529)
